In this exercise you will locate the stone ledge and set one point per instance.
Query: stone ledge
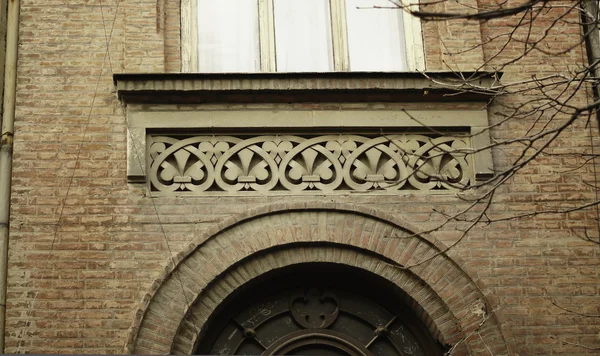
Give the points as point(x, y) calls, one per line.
point(187, 88)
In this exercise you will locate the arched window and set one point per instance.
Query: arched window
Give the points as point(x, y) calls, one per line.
point(317, 309)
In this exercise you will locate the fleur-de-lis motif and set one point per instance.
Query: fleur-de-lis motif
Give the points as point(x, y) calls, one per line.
point(437, 168)
point(181, 171)
point(245, 170)
point(441, 165)
point(309, 170)
point(377, 169)
point(320, 163)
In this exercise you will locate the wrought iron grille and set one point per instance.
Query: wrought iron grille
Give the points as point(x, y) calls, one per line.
point(315, 319)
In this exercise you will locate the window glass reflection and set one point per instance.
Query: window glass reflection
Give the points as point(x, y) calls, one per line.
point(228, 36)
point(375, 36)
point(303, 36)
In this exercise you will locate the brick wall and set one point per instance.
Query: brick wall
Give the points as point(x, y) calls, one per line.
point(86, 245)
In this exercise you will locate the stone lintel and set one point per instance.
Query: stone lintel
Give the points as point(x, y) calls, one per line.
point(189, 88)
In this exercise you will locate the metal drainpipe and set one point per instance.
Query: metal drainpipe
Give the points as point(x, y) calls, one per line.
point(6, 150)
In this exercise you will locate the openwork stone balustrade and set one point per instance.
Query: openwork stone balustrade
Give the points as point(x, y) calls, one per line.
point(308, 163)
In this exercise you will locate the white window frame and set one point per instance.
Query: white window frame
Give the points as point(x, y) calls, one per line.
point(189, 39)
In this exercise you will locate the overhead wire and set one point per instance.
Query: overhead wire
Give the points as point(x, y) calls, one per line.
point(138, 156)
point(107, 56)
point(71, 180)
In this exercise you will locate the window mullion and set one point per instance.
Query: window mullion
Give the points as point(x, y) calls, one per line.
point(339, 35)
point(189, 36)
point(413, 37)
point(266, 26)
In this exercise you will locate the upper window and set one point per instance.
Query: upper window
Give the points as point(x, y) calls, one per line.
point(299, 36)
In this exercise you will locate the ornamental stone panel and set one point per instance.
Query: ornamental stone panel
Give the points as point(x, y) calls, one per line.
point(309, 163)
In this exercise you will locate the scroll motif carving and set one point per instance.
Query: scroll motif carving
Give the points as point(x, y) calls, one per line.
point(301, 164)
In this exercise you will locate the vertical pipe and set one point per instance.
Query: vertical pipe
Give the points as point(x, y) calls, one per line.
point(6, 150)
point(591, 31)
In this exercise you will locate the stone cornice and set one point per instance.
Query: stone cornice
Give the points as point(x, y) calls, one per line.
point(190, 88)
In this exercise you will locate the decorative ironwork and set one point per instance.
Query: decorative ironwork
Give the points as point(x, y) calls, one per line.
point(314, 310)
point(318, 322)
point(304, 164)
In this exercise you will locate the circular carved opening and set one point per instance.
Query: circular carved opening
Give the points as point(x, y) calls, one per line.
point(316, 309)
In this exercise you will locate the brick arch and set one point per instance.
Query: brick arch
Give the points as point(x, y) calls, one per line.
point(204, 274)
point(431, 309)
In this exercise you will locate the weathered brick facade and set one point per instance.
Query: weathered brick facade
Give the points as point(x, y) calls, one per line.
point(92, 256)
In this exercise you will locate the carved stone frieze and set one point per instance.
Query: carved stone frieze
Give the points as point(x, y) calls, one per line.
point(308, 163)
